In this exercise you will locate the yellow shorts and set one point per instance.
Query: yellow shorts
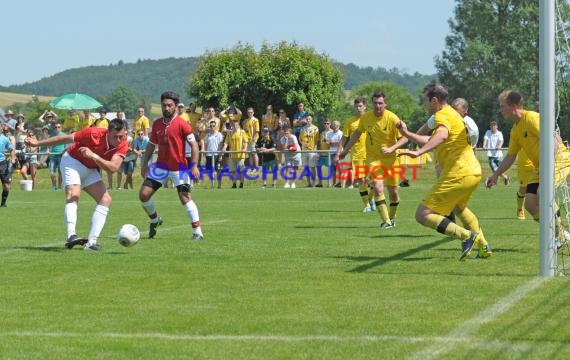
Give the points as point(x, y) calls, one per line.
point(449, 193)
point(389, 170)
point(525, 174)
point(359, 168)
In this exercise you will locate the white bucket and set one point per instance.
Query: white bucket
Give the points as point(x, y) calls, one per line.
point(26, 185)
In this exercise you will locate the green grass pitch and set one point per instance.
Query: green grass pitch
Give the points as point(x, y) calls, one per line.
point(282, 274)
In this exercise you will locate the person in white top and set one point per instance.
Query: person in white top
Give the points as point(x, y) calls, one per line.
point(462, 107)
point(334, 139)
point(492, 142)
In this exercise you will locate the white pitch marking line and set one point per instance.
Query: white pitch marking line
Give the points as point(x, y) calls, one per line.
point(518, 346)
point(465, 330)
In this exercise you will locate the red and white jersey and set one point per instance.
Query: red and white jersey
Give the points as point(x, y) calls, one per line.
point(95, 139)
point(170, 140)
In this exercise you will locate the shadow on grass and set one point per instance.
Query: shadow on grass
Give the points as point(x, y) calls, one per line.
point(41, 248)
point(379, 261)
point(62, 249)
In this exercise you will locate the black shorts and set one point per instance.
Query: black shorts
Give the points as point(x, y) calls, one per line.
point(5, 172)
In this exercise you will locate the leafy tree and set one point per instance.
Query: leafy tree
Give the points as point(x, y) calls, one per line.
point(122, 99)
point(282, 75)
point(493, 46)
point(399, 100)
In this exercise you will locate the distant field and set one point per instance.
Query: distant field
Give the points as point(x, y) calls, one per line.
point(7, 99)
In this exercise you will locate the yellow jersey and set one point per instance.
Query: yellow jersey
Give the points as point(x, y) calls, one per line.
point(525, 135)
point(455, 154)
point(323, 145)
point(309, 135)
point(142, 123)
point(101, 123)
point(358, 149)
point(381, 131)
point(71, 124)
point(236, 141)
point(251, 127)
point(268, 121)
point(193, 119)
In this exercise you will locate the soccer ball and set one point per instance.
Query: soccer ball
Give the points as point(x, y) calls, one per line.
point(128, 235)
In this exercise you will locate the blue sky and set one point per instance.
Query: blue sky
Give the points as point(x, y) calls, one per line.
point(47, 37)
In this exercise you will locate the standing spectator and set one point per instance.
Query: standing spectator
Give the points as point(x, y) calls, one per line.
point(30, 160)
point(236, 140)
point(49, 119)
point(91, 149)
point(462, 107)
point(193, 116)
point(325, 156)
point(309, 138)
point(182, 112)
point(493, 142)
point(171, 153)
point(334, 140)
point(141, 122)
point(102, 121)
point(20, 136)
point(292, 156)
point(278, 131)
point(11, 122)
point(5, 164)
point(251, 128)
point(86, 120)
point(120, 115)
point(139, 145)
point(72, 123)
point(266, 147)
point(224, 119)
point(55, 155)
point(460, 174)
point(299, 119)
point(212, 145)
point(269, 119)
point(128, 167)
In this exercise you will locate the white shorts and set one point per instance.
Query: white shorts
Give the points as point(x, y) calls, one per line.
point(177, 177)
point(310, 159)
point(233, 163)
point(75, 173)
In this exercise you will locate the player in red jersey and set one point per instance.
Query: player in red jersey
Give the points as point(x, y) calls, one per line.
point(91, 149)
point(169, 134)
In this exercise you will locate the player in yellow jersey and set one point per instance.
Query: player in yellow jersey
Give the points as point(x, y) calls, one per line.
point(358, 154)
point(460, 173)
point(381, 134)
point(525, 135)
point(525, 170)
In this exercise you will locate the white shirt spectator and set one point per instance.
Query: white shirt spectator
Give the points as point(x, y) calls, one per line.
point(493, 142)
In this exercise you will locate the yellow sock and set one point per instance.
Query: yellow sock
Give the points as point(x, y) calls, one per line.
point(382, 208)
point(363, 188)
point(445, 226)
point(470, 222)
point(520, 201)
point(394, 209)
point(370, 194)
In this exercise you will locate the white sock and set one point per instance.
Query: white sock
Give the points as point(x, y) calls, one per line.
point(149, 208)
point(192, 212)
point(70, 215)
point(97, 222)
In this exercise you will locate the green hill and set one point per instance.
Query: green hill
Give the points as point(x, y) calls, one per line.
point(152, 77)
